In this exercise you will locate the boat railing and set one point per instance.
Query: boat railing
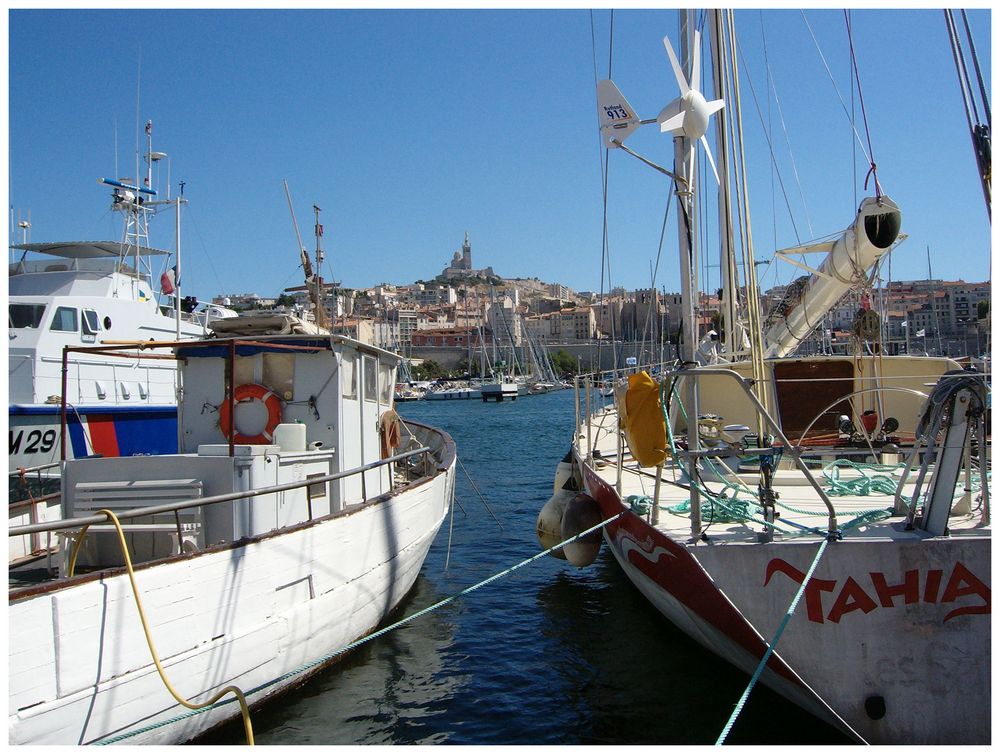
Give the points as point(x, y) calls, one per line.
point(790, 450)
point(152, 510)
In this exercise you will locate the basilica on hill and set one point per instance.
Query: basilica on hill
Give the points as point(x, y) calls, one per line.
point(461, 264)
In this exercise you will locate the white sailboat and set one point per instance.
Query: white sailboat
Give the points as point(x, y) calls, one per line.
point(856, 483)
point(295, 518)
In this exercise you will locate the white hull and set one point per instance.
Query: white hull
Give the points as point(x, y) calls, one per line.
point(457, 394)
point(891, 639)
point(239, 614)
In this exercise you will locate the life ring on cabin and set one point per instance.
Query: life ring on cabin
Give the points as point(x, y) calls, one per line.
point(252, 392)
point(390, 428)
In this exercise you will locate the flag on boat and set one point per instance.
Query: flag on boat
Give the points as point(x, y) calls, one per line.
point(921, 333)
point(169, 280)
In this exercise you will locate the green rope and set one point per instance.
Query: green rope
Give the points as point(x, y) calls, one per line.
point(359, 642)
point(639, 504)
point(770, 647)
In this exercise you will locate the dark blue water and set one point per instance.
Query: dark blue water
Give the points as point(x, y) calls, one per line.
point(551, 654)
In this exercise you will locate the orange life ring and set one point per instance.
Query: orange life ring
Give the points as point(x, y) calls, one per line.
point(252, 392)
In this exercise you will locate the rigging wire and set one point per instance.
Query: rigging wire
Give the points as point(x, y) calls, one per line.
point(835, 87)
point(979, 132)
point(873, 170)
point(770, 147)
point(979, 73)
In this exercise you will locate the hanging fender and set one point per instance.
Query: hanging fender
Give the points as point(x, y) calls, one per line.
point(252, 392)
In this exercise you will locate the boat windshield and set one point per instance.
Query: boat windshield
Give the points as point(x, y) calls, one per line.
point(25, 315)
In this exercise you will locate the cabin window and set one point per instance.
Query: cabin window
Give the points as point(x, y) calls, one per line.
point(385, 384)
point(371, 378)
point(65, 319)
point(25, 315)
point(91, 325)
point(350, 380)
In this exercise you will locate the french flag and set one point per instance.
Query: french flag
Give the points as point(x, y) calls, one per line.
point(169, 280)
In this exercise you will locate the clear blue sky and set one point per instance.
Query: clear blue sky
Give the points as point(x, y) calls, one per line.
point(410, 128)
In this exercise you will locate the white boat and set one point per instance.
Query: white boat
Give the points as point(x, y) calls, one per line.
point(295, 518)
point(500, 388)
point(82, 292)
point(456, 393)
point(859, 484)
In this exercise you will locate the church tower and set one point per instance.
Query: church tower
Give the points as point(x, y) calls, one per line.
point(466, 253)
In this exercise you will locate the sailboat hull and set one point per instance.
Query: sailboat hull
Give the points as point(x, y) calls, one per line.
point(875, 623)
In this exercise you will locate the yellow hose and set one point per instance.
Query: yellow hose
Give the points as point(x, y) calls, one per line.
point(247, 726)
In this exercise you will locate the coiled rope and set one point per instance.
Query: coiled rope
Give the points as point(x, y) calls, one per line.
point(370, 637)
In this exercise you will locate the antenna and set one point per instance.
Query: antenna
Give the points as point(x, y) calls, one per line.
point(312, 284)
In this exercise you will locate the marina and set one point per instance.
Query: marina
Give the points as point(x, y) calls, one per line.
point(541, 656)
point(487, 510)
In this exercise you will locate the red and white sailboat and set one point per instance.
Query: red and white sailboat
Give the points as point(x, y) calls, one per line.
point(827, 514)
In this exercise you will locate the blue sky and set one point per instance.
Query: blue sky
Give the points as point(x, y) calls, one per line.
point(410, 128)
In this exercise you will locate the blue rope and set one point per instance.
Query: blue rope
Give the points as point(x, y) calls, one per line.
point(359, 642)
point(770, 647)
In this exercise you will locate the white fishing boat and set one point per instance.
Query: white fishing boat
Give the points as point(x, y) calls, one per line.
point(89, 292)
point(858, 483)
point(294, 519)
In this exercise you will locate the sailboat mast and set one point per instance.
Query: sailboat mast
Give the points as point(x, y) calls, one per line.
point(686, 227)
point(731, 340)
point(686, 242)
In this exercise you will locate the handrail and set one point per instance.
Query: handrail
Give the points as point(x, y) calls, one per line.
point(30, 469)
point(75, 523)
point(793, 450)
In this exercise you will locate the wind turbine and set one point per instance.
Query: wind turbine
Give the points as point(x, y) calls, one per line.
point(688, 115)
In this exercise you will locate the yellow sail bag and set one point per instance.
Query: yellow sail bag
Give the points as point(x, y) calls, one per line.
point(645, 430)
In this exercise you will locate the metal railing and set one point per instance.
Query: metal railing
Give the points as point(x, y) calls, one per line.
point(76, 523)
point(794, 451)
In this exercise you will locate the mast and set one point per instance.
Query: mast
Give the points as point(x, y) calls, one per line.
point(320, 307)
point(686, 243)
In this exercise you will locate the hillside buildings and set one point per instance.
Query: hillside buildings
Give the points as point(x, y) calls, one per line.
point(468, 308)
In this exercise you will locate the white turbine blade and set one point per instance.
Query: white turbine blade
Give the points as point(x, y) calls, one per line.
point(708, 154)
point(696, 62)
point(714, 106)
point(673, 123)
point(678, 73)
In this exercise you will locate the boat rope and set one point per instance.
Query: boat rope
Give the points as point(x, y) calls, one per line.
point(473, 483)
point(355, 644)
point(197, 707)
point(727, 505)
point(770, 647)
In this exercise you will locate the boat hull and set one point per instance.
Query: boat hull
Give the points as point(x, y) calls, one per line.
point(242, 614)
point(107, 431)
point(856, 651)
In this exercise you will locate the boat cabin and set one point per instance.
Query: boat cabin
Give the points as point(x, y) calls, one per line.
point(253, 413)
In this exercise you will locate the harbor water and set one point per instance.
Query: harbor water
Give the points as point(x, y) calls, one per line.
point(549, 654)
